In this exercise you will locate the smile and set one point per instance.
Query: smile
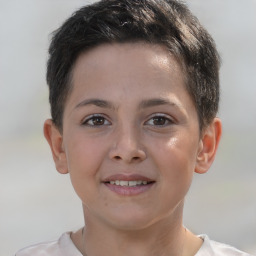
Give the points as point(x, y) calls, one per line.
point(130, 187)
point(131, 183)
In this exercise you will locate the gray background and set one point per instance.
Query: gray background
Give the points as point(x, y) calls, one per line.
point(36, 203)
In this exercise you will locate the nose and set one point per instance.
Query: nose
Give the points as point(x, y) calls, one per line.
point(127, 146)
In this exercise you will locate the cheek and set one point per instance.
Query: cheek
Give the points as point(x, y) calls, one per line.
point(84, 159)
point(83, 154)
point(176, 159)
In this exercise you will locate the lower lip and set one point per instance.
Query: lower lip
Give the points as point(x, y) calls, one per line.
point(129, 191)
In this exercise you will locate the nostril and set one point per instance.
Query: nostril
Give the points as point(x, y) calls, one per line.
point(118, 154)
point(136, 158)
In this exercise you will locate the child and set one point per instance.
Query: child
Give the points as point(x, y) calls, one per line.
point(134, 91)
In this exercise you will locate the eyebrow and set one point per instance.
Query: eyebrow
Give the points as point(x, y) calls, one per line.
point(156, 102)
point(96, 102)
point(144, 104)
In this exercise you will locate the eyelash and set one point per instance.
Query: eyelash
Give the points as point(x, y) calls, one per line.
point(157, 117)
point(162, 117)
point(93, 118)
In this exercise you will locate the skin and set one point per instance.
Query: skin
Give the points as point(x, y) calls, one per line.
point(130, 114)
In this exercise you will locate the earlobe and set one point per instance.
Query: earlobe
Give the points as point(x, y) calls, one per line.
point(54, 139)
point(208, 146)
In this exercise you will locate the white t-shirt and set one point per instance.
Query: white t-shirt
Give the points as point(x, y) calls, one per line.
point(65, 247)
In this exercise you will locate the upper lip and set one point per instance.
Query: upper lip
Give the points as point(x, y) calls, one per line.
point(127, 177)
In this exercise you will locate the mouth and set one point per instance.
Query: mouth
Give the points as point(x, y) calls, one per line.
point(128, 185)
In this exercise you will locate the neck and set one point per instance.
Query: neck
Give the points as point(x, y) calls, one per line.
point(164, 238)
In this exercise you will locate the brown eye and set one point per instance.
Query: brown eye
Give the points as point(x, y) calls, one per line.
point(96, 120)
point(160, 121)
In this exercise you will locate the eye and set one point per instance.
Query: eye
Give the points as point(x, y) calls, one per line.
point(159, 120)
point(95, 120)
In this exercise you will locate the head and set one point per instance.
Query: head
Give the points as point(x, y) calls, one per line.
point(134, 94)
point(168, 23)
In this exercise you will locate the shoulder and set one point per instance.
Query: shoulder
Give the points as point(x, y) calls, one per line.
point(61, 247)
point(213, 248)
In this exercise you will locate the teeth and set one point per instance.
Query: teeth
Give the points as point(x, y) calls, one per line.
point(131, 183)
point(124, 183)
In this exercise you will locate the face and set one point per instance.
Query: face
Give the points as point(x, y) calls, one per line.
point(130, 136)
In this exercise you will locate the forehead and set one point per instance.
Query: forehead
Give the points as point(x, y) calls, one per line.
point(108, 68)
point(127, 57)
point(113, 52)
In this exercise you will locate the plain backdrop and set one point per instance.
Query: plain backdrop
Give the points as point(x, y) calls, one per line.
point(37, 203)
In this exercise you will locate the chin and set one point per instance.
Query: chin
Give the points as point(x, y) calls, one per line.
point(131, 220)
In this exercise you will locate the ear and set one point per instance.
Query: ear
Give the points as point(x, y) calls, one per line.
point(55, 140)
point(208, 145)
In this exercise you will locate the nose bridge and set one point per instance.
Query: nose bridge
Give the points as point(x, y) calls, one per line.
point(127, 144)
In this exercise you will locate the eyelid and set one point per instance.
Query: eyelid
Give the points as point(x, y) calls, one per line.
point(168, 117)
point(88, 118)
